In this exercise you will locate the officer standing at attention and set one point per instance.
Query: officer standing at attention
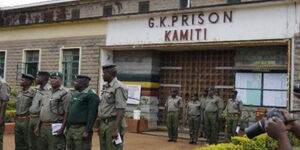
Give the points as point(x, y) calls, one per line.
point(53, 115)
point(111, 110)
point(4, 97)
point(82, 113)
point(211, 112)
point(41, 79)
point(221, 108)
point(23, 102)
point(203, 101)
point(174, 107)
point(194, 110)
point(233, 110)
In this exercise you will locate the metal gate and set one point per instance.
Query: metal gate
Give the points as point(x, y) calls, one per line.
point(192, 72)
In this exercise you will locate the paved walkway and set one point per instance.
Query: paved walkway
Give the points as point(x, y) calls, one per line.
point(133, 141)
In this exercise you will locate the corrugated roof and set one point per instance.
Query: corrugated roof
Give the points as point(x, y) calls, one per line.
point(49, 2)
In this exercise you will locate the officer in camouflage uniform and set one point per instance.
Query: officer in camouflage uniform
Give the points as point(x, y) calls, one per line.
point(4, 97)
point(111, 110)
point(174, 108)
point(203, 101)
point(194, 111)
point(82, 113)
point(42, 78)
point(23, 102)
point(234, 112)
point(211, 113)
point(54, 110)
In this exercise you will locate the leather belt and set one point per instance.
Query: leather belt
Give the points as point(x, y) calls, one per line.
point(234, 114)
point(210, 112)
point(46, 123)
point(21, 117)
point(34, 116)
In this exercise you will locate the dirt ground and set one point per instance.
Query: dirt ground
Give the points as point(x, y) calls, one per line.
point(133, 141)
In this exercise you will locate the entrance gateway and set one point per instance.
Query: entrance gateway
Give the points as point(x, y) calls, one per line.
point(242, 52)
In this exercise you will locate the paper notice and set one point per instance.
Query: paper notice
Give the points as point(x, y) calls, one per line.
point(55, 127)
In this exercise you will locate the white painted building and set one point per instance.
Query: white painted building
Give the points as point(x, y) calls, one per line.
point(251, 47)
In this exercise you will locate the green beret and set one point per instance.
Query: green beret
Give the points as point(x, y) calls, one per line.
point(43, 73)
point(56, 74)
point(108, 66)
point(27, 76)
point(81, 76)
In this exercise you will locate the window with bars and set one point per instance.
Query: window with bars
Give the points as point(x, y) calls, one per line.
point(144, 7)
point(31, 64)
point(184, 3)
point(70, 66)
point(2, 64)
point(262, 89)
point(233, 1)
point(107, 10)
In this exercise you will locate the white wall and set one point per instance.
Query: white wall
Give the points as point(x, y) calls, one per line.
point(248, 23)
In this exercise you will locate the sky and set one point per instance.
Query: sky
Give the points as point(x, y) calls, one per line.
point(17, 2)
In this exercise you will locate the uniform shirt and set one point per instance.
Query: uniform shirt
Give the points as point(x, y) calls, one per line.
point(83, 109)
point(113, 96)
point(173, 104)
point(220, 103)
point(203, 103)
point(234, 106)
point(35, 108)
point(55, 105)
point(194, 108)
point(212, 104)
point(23, 101)
point(4, 91)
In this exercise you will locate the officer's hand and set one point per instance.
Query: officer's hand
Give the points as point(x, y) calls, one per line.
point(37, 131)
point(287, 117)
point(275, 128)
point(60, 131)
point(96, 125)
point(85, 134)
point(115, 134)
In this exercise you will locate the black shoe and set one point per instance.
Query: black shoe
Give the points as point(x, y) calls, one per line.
point(174, 141)
point(170, 140)
point(191, 142)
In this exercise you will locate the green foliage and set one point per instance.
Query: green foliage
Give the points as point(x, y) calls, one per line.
point(142, 102)
point(128, 116)
point(14, 90)
point(11, 105)
point(261, 142)
point(293, 139)
point(222, 146)
point(10, 115)
point(246, 143)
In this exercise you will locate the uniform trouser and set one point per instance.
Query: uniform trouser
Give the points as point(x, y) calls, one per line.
point(2, 126)
point(172, 124)
point(202, 129)
point(194, 124)
point(21, 134)
point(105, 134)
point(49, 141)
point(211, 127)
point(231, 123)
point(75, 141)
point(33, 139)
